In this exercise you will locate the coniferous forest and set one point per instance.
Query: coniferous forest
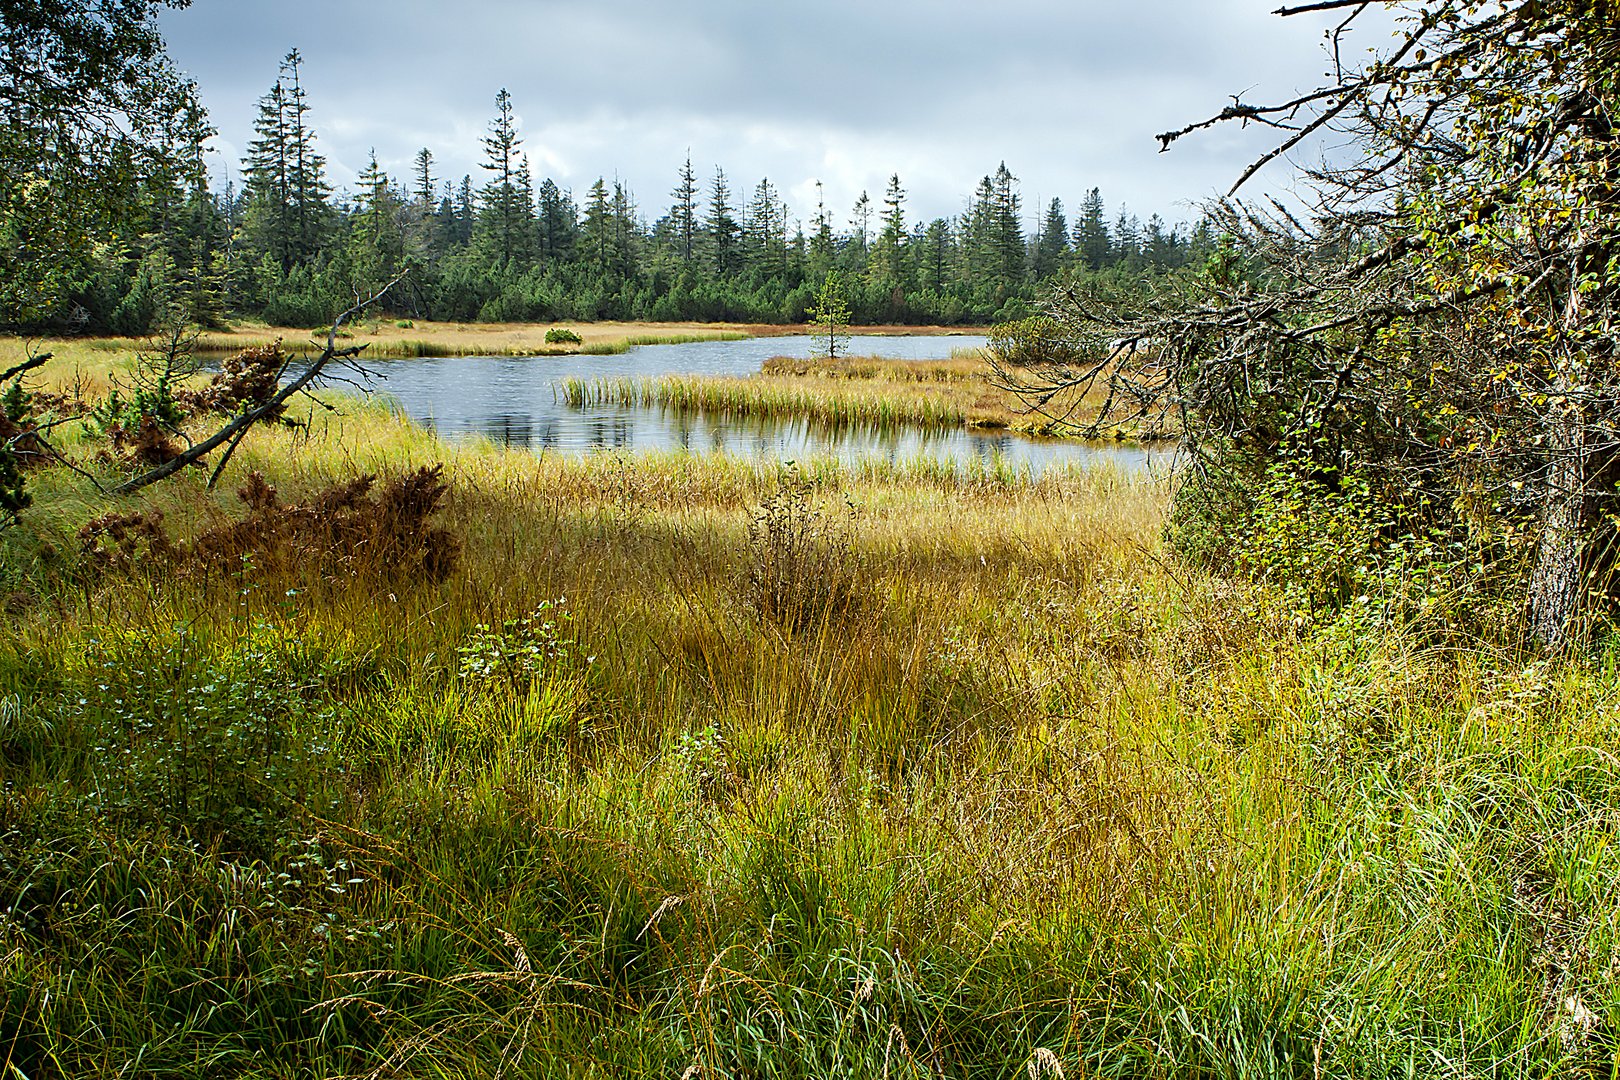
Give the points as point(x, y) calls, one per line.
point(506, 246)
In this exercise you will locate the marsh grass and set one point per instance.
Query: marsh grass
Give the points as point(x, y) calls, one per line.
point(868, 391)
point(1041, 799)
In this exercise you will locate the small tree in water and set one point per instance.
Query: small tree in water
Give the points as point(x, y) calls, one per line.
point(829, 318)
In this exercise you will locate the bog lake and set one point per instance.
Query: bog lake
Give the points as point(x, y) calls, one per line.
point(518, 402)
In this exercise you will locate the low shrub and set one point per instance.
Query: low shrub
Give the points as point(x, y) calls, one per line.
point(803, 570)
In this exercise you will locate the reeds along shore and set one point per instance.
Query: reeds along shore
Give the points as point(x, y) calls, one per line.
point(850, 390)
point(703, 767)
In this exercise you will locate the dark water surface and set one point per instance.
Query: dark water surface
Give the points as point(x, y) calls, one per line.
point(517, 401)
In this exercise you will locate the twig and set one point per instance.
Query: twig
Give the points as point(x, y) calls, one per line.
point(232, 431)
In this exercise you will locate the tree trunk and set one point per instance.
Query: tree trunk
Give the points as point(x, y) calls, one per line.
point(1555, 583)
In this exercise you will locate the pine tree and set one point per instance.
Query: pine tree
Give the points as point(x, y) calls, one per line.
point(1052, 246)
point(683, 215)
point(888, 255)
point(1091, 242)
point(721, 226)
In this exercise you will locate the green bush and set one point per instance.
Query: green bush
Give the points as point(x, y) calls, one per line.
point(559, 336)
point(1036, 340)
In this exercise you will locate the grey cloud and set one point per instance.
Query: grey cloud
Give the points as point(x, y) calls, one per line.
point(1069, 94)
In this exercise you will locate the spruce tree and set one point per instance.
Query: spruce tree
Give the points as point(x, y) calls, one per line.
point(596, 233)
point(822, 244)
point(424, 178)
point(888, 254)
point(860, 222)
point(1007, 232)
point(377, 240)
point(721, 226)
point(306, 173)
point(683, 215)
point(1052, 246)
point(934, 259)
point(1091, 242)
point(503, 216)
point(288, 215)
point(558, 222)
point(763, 234)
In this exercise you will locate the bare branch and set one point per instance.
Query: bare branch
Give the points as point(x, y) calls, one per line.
point(233, 431)
point(27, 365)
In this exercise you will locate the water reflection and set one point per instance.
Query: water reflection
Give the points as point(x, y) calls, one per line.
point(514, 402)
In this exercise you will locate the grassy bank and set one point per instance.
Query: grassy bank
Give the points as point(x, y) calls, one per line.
point(851, 390)
point(869, 772)
point(408, 338)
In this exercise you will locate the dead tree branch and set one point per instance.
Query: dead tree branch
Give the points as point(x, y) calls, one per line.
point(233, 431)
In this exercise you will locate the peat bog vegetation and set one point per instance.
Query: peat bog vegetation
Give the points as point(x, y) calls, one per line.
point(350, 751)
point(673, 764)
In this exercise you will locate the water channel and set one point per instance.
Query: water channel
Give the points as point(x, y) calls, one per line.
point(516, 401)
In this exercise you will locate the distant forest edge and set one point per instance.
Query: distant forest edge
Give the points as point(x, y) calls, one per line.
point(285, 248)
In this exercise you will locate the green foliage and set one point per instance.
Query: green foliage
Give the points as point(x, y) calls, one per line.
point(828, 316)
point(223, 748)
point(15, 408)
point(560, 336)
point(101, 126)
point(153, 402)
point(803, 570)
point(15, 402)
point(1042, 798)
point(14, 497)
point(521, 651)
point(1039, 339)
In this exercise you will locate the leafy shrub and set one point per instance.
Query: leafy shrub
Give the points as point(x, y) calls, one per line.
point(1036, 340)
point(222, 748)
point(559, 336)
point(803, 570)
point(520, 651)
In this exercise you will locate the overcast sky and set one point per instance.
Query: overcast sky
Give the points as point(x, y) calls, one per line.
point(1069, 93)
